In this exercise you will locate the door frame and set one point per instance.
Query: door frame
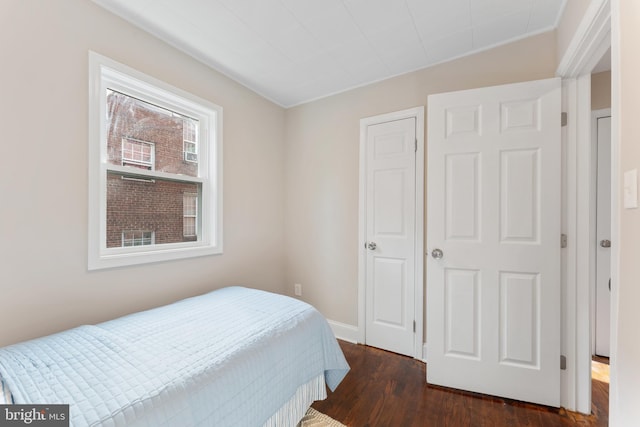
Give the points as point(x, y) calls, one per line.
point(590, 42)
point(593, 247)
point(418, 114)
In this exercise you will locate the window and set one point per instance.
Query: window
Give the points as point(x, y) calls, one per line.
point(155, 169)
point(137, 238)
point(138, 153)
point(190, 138)
point(190, 214)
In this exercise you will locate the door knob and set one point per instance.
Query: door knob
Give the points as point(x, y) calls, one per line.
point(605, 243)
point(437, 253)
point(372, 246)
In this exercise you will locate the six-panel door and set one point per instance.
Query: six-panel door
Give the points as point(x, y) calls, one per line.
point(493, 209)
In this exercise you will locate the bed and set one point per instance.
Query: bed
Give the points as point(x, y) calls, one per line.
point(232, 357)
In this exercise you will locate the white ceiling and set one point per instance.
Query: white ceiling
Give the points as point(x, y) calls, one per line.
point(294, 51)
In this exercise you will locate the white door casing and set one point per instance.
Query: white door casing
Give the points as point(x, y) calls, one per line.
point(603, 235)
point(590, 42)
point(391, 231)
point(493, 299)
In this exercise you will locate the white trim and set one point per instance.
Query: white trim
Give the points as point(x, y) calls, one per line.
point(584, 237)
point(615, 418)
point(344, 332)
point(576, 343)
point(568, 255)
point(418, 114)
point(593, 245)
point(150, 174)
point(105, 73)
point(591, 41)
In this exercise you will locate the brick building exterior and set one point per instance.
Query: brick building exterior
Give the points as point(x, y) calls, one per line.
point(141, 210)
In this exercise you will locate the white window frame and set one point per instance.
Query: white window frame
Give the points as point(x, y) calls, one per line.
point(105, 73)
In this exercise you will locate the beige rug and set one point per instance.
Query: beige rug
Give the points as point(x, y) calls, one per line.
point(314, 418)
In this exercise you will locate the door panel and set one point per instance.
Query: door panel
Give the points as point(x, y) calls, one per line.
point(390, 227)
point(519, 319)
point(493, 298)
point(388, 292)
point(388, 195)
point(462, 309)
point(519, 204)
point(462, 189)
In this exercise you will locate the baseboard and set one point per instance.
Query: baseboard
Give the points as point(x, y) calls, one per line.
point(349, 333)
point(344, 332)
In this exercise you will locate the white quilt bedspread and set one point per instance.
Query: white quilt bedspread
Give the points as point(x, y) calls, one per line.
point(231, 357)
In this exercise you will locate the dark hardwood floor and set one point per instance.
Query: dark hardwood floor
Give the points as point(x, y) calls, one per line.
point(385, 389)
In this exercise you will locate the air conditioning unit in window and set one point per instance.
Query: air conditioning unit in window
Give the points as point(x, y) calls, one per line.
point(190, 157)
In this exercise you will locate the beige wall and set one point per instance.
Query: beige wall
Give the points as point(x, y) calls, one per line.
point(601, 90)
point(321, 180)
point(44, 283)
point(309, 224)
point(572, 16)
point(625, 381)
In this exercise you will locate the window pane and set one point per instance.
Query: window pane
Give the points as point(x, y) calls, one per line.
point(137, 153)
point(148, 211)
point(189, 226)
point(190, 213)
point(190, 130)
point(137, 238)
point(140, 134)
point(190, 152)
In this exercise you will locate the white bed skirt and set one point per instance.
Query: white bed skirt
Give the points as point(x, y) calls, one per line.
point(290, 414)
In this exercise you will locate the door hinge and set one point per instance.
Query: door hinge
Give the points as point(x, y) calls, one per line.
point(563, 119)
point(414, 326)
point(564, 242)
point(563, 362)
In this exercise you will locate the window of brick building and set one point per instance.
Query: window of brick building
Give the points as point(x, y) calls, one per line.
point(155, 169)
point(138, 238)
point(190, 140)
point(190, 214)
point(138, 153)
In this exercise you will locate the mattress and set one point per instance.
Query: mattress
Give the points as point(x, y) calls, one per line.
point(232, 357)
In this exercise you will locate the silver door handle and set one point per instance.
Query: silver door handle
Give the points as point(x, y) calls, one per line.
point(605, 243)
point(437, 253)
point(372, 246)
